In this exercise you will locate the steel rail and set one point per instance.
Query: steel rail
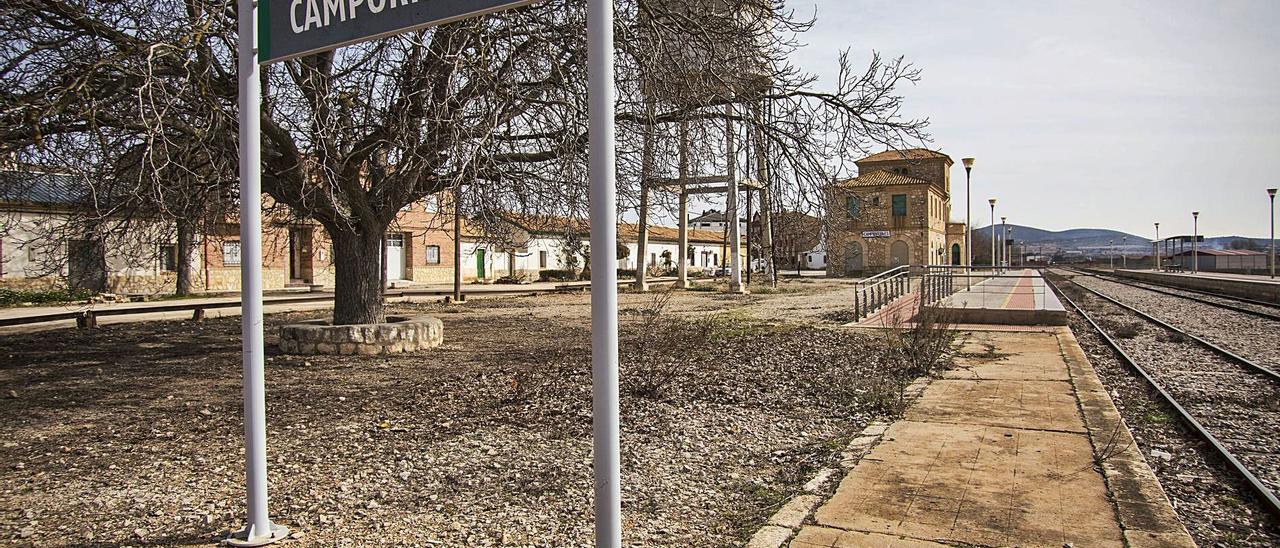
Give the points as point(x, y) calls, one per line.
point(1211, 346)
point(1268, 497)
point(1157, 289)
point(1267, 304)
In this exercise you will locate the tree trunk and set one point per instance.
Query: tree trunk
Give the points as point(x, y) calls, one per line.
point(357, 282)
point(185, 266)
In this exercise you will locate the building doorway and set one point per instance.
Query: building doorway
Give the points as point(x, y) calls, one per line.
point(899, 254)
point(86, 265)
point(853, 261)
point(395, 256)
point(300, 255)
point(955, 254)
point(480, 264)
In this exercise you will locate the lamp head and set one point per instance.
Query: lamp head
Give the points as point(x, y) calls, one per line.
point(968, 163)
point(992, 201)
point(1271, 192)
point(1004, 219)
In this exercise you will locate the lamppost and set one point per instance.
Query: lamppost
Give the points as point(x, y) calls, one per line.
point(1156, 250)
point(1272, 193)
point(968, 203)
point(992, 201)
point(1111, 253)
point(1195, 242)
point(1004, 242)
point(1124, 257)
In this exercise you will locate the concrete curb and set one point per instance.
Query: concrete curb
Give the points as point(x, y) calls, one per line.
point(1142, 507)
point(788, 520)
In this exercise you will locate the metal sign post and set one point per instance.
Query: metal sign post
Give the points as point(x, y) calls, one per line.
point(259, 530)
point(604, 275)
point(292, 28)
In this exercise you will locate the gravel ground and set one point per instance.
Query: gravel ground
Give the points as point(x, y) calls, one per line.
point(1252, 337)
point(1261, 307)
point(131, 434)
point(1216, 505)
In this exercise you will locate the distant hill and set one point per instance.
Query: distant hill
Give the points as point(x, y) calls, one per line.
point(1083, 239)
point(1075, 238)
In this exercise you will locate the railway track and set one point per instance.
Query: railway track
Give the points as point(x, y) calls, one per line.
point(1253, 307)
point(1227, 400)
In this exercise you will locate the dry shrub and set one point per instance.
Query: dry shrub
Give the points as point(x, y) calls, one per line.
point(906, 351)
point(655, 348)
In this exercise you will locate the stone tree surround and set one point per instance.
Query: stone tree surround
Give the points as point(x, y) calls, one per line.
point(399, 334)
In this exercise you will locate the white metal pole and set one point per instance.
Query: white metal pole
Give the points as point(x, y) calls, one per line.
point(604, 275)
point(1156, 251)
point(1195, 242)
point(1272, 193)
point(731, 204)
point(258, 530)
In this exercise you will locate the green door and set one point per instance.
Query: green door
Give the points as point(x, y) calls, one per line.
point(480, 263)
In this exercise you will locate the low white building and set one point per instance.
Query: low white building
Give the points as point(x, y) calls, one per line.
point(527, 247)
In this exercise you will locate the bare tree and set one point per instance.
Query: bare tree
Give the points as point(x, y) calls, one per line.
point(497, 104)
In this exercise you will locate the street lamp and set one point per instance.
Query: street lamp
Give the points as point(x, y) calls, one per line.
point(1272, 193)
point(992, 201)
point(1004, 241)
point(1124, 257)
point(1111, 253)
point(1195, 242)
point(968, 202)
point(1156, 250)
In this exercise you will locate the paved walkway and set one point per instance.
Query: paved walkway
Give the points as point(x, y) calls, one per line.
point(1018, 446)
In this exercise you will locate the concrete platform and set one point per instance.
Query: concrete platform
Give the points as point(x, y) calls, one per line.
point(1248, 286)
point(1017, 297)
point(1018, 446)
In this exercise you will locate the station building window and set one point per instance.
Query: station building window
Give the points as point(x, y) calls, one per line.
point(433, 254)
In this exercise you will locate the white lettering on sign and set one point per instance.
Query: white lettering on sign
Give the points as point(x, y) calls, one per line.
point(876, 234)
point(305, 15)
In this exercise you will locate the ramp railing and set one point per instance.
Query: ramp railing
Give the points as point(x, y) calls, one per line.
point(877, 291)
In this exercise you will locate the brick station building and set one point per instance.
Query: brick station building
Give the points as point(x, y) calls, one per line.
point(895, 212)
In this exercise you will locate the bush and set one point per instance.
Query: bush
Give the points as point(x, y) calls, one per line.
point(557, 275)
point(11, 297)
point(651, 354)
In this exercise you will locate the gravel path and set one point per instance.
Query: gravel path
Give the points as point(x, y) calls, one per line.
point(1252, 337)
point(1216, 505)
point(131, 434)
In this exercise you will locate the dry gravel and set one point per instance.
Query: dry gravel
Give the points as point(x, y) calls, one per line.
point(1252, 337)
point(1216, 505)
point(131, 434)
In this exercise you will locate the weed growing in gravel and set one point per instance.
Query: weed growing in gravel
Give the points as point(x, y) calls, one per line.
point(652, 356)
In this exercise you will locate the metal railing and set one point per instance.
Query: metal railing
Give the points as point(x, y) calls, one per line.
point(877, 291)
point(983, 287)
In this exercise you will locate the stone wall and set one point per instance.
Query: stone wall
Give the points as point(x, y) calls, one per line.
point(921, 231)
point(399, 334)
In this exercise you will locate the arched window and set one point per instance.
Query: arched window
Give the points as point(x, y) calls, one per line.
point(955, 254)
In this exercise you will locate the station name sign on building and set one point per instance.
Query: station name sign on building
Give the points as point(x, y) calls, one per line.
point(292, 28)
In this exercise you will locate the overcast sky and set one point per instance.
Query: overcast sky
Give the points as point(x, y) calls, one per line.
point(1086, 114)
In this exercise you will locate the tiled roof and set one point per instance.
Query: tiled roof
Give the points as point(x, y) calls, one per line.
point(629, 232)
point(881, 177)
point(40, 188)
point(553, 225)
point(907, 154)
